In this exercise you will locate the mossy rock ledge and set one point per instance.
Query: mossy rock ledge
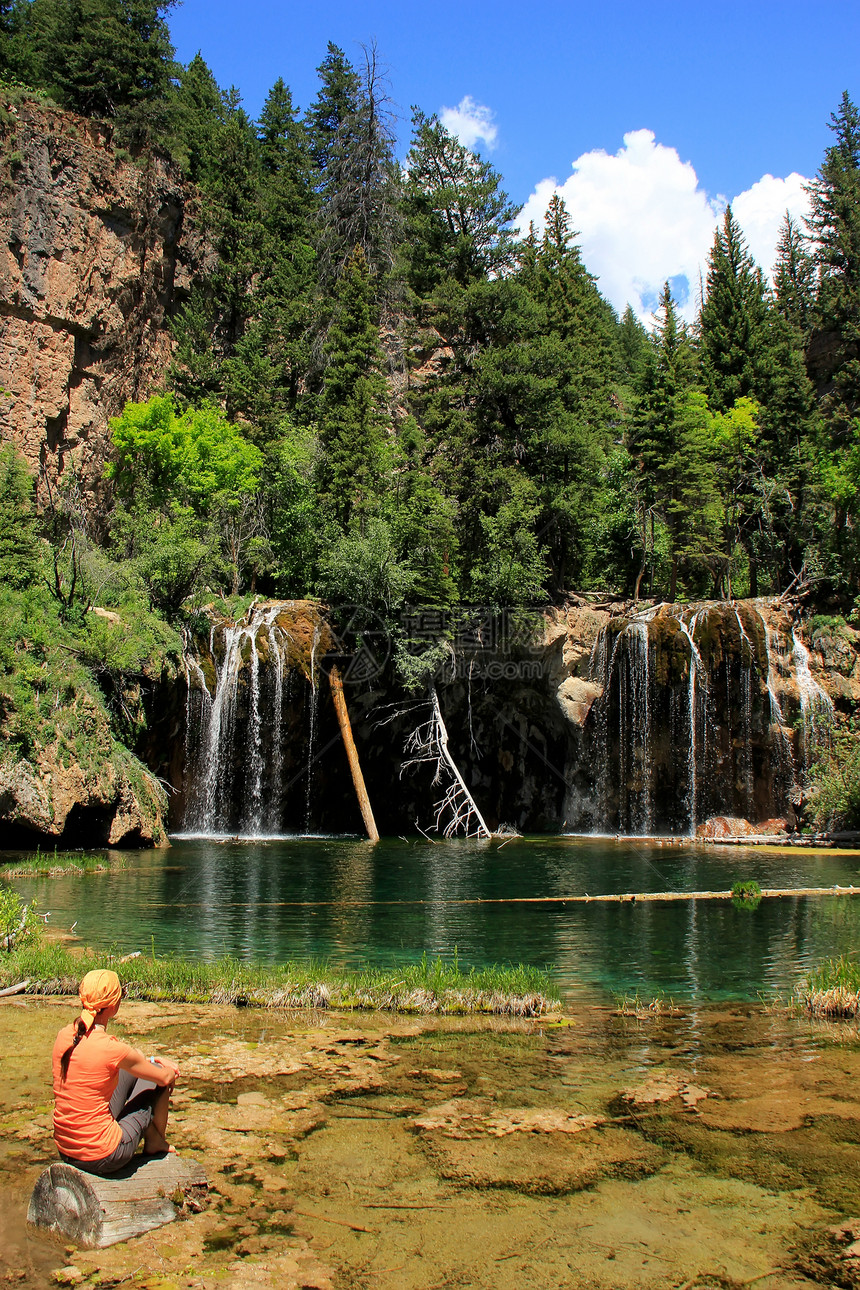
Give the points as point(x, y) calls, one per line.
point(108, 800)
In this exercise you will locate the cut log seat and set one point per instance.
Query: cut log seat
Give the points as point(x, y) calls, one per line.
point(93, 1212)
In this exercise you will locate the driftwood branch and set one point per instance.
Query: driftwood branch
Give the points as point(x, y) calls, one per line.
point(15, 989)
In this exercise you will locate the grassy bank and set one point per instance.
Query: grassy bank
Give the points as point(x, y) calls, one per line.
point(51, 864)
point(426, 987)
point(832, 989)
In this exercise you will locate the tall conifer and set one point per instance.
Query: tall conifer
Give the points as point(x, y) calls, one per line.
point(733, 321)
point(835, 225)
point(353, 405)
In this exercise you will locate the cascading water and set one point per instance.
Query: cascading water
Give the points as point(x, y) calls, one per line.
point(628, 662)
point(816, 707)
point(747, 658)
point(782, 753)
point(235, 726)
point(313, 730)
point(697, 681)
point(689, 722)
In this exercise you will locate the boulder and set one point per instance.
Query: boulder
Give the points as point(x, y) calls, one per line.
point(576, 697)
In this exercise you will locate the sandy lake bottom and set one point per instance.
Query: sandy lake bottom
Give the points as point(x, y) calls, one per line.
point(713, 1147)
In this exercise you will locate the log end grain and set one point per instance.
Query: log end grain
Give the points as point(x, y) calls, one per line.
point(93, 1212)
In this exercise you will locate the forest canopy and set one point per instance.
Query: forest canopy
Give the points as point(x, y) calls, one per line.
point(378, 383)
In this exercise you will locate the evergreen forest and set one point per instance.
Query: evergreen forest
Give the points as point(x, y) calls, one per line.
point(381, 393)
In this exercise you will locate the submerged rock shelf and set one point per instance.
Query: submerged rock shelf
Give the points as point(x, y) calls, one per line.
point(702, 1147)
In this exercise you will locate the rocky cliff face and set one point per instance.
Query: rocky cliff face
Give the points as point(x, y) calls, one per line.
point(80, 789)
point(98, 249)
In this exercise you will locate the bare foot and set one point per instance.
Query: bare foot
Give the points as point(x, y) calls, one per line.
point(154, 1144)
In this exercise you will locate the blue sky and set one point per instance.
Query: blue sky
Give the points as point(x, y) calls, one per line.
point(730, 93)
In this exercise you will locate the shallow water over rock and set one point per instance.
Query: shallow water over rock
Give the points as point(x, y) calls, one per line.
point(710, 1147)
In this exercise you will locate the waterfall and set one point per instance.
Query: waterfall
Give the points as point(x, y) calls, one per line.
point(275, 653)
point(206, 809)
point(255, 749)
point(637, 661)
point(234, 731)
point(782, 754)
point(313, 730)
point(631, 771)
point(695, 749)
point(690, 720)
point(747, 661)
point(816, 707)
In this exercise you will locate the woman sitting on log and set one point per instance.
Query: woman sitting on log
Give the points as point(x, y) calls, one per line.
point(108, 1096)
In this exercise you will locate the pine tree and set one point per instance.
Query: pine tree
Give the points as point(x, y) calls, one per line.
point(789, 422)
point(263, 375)
point(835, 226)
point(631, 348)
point(733, 322)
point(199, 112)
point(353, 413)
point(568, 436)
point(423, 521)
point(360, 179)
point(458, 216)
point(17, 55)
point(336, 102)
point(660, 420)
point(214, 321)
point(693, 505)
point(107, 58)
point(19, 556)
point(794, 278)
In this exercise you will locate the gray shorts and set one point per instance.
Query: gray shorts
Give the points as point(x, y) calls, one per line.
point(131, 1107)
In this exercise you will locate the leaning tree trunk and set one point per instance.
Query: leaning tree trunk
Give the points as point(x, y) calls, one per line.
point(340, 708)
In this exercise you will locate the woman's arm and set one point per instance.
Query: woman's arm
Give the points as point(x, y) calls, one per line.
point(160, 1070)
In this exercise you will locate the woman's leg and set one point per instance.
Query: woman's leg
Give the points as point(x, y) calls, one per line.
point(155, 1137)
point(122, 1093)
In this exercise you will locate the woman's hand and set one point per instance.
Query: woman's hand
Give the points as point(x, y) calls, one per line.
point(159, 1070)
point(167, 1064)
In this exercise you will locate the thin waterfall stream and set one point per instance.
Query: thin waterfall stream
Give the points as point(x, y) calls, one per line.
point(689, 722)
point(237, 736)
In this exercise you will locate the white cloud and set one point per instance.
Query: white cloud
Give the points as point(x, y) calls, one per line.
point(760, 211)
point(470, 121)
point(643, 218)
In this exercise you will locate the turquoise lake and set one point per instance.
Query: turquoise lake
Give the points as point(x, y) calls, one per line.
point(348, 902)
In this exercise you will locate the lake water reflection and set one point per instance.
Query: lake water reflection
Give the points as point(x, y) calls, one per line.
point(349, 902)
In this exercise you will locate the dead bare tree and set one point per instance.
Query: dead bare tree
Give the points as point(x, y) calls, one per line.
point(360, 206)
point(456, 811)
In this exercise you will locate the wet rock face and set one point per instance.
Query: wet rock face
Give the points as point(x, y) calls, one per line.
point(681, 713)
point(646, 719)
point(97, 251)
point(263, 751)
point(103, 804)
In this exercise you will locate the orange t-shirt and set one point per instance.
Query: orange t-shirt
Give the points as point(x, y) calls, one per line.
point(83, 1125)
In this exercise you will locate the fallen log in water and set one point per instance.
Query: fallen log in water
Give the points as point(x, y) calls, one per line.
point(94, 1212)
point(633, 897)
point(20, 988)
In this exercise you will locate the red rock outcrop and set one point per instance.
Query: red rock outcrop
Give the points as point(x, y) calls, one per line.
point(98, 248)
